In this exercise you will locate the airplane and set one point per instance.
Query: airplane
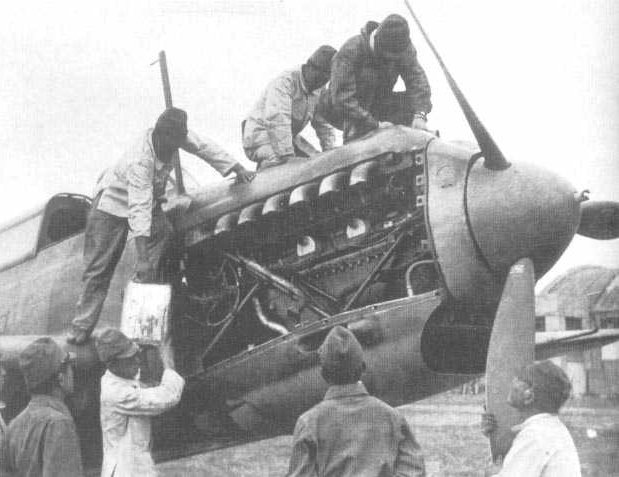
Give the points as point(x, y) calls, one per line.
point(419, 245)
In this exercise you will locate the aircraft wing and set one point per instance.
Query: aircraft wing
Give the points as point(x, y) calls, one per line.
point(555, 343)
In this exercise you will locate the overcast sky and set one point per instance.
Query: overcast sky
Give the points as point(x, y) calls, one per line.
point(77, 84)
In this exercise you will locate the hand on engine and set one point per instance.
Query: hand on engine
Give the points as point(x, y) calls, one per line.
point(419, 123)
point(243, 176)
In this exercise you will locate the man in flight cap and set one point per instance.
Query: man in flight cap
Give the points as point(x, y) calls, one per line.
point(42, 439)
point(127, 406)
point(128, 199)
point(271, 131)
point(351, 433)
point(360, 96)
point(542, 445)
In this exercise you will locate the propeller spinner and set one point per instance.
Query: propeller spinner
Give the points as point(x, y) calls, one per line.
point(599, 220)
point(539, 214)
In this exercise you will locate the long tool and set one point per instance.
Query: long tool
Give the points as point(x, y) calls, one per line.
point(167, 95)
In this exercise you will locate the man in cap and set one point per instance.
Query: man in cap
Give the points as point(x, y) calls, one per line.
point(351, 433)
point(286, 106)
point(542, 446)
point(128, 198)
point(363, 73)
point(127, 406)
point(42, 439)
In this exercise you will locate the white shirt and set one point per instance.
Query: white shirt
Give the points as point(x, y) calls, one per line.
point(543, 447)
point(132, 186)
point(126, 410)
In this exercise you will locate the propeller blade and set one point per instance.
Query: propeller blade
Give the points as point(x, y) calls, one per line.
point(493, 157)
point(599, 220)
point(512, 346)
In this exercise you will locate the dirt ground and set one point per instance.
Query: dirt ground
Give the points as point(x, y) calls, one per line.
point(447, 428)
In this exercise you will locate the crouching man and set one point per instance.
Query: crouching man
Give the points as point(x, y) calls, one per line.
point(542, 447)
point(127, 406)
point(42, 439)
point(271, 132)
point(351, 433)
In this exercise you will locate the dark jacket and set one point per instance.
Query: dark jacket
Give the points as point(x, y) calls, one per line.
point(360, 81)
point(43, 440)
point(352, 434)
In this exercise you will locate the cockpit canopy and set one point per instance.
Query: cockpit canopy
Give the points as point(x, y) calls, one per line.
point(63, 216)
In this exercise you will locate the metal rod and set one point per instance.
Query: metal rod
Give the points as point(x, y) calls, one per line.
point(373, 273)
point(269, 278)
point(167, 96)
point(234, 314)
point(319, 291)
point(319, 311)
point(265, 275)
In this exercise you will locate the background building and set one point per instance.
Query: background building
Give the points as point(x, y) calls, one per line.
point(584, 298)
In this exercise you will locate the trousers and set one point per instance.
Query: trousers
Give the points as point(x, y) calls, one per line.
point(104, 242)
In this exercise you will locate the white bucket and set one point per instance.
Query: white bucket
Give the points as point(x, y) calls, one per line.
point(145, 312)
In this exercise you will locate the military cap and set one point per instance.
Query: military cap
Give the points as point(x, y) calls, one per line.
point(392, 37)
point(321, 58)
point(41, 360)
point(551, 386)
point(113, 344)
point(341, 354)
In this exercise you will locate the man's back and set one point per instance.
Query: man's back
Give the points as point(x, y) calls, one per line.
point(351, 433)
point(43, 440)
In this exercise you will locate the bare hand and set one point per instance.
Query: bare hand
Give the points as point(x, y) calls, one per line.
point(488, 424)
point(243, 176)
point(419, 123)
point(144, 272)
point(384, 124)
point(167, 353)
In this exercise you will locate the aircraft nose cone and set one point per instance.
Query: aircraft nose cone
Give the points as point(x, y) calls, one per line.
point(523, 211)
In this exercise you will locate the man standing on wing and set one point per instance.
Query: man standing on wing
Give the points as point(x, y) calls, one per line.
point(128, 199)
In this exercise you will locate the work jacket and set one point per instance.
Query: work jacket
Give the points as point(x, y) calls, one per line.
point(283, 110)
point(132, 186)
point(543, 447)
point(126, 411)
point(360, 79)
point(352, 434)
point(43, 440)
